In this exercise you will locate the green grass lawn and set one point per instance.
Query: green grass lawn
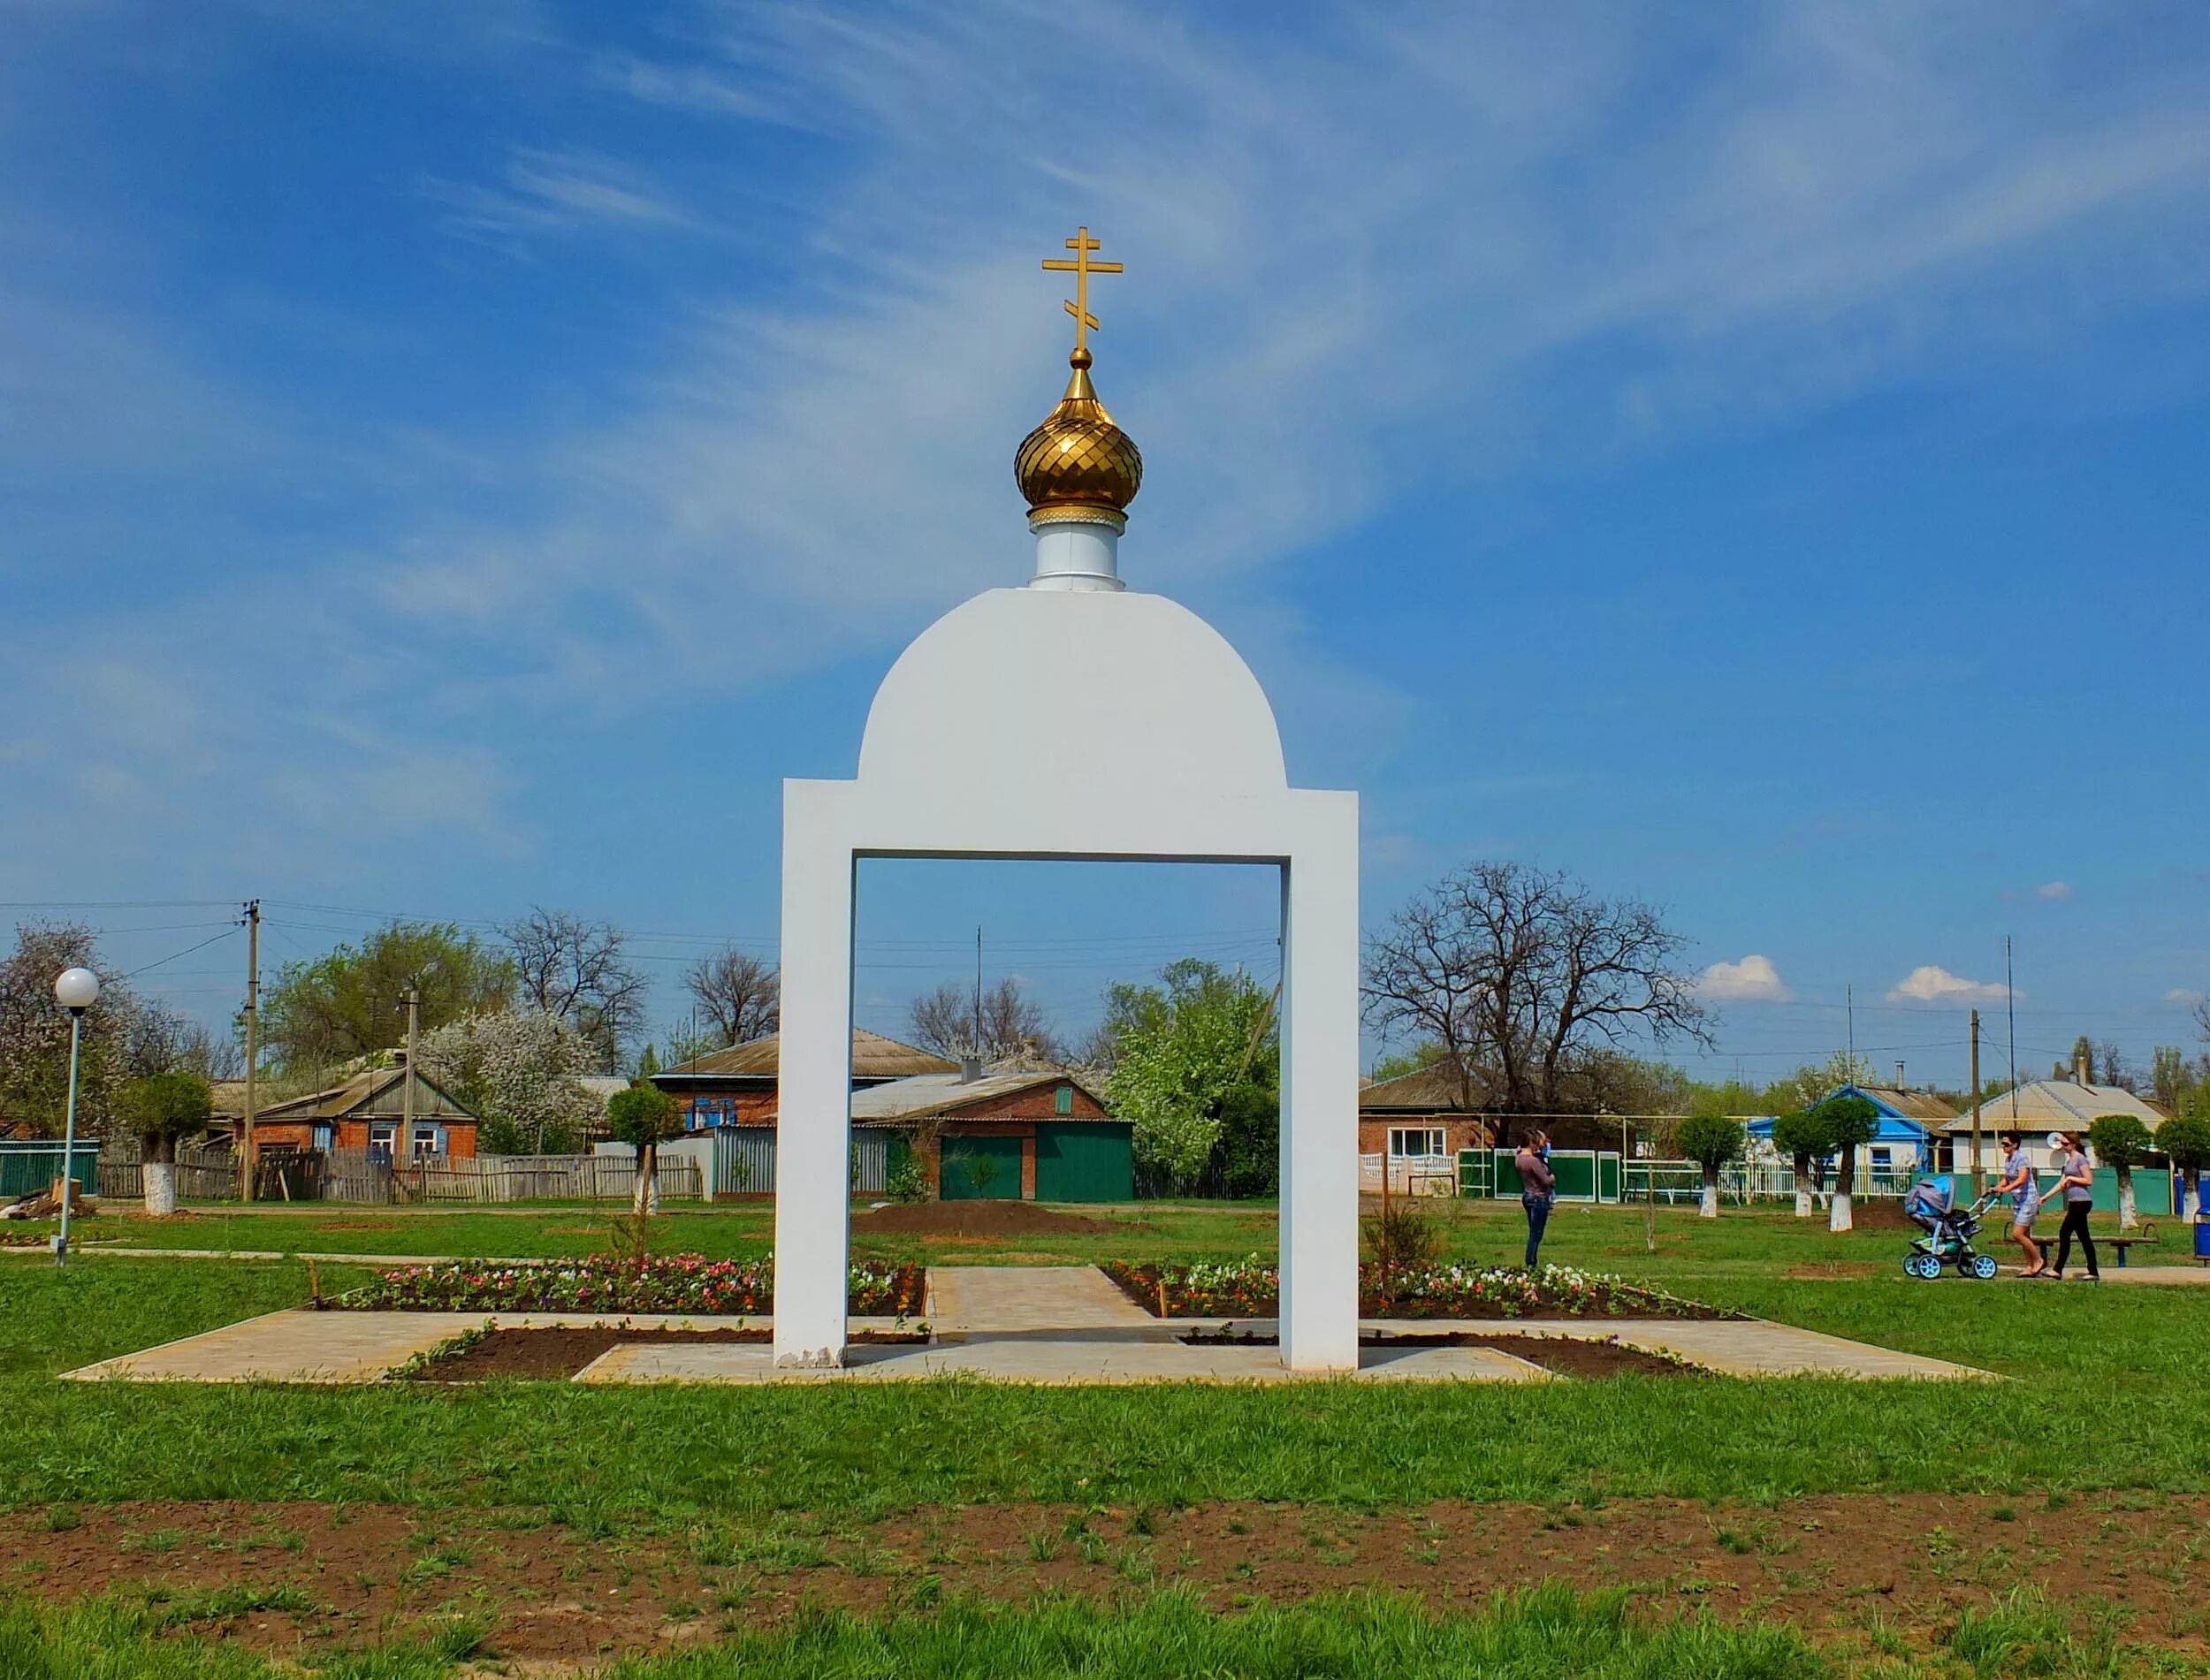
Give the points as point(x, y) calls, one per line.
point(2109, 1393)
point(1748, 1241)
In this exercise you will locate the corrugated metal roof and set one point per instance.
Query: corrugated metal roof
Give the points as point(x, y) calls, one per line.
point(2060, 1105)
point(1914, 1105)
point(874, 1057)
point(947, 1093)
point(374, 1094)
point(1426, 1090)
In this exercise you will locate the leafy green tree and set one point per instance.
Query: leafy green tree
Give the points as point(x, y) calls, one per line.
point(349, 1003)
point(2185, 1143)
point(644, 1117)
point(1853, 1122)
point(2123, 1142)
point(1713, 1142)
point(1188, 1054)
point(160, 1109)
point(1804, 1137)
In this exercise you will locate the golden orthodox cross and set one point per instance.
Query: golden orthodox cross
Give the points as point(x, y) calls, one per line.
point(1082, 267)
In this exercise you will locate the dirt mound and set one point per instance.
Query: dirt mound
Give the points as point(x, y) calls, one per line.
point(973, 1219)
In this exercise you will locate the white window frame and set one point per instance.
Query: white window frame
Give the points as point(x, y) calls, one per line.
point(1398, 1143)
point(425, 1140)
point(384, 1134)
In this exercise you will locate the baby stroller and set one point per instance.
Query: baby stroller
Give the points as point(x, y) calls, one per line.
point(1948, 1238)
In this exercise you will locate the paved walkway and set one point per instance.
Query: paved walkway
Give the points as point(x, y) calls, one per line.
point(1017, 1324)
point(1046, 1360)
point(1738, 1347)
point(1029, 1297)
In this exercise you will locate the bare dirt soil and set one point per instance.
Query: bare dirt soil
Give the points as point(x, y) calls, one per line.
point(561, 1350)
point(1568, 1357)
point(1857, 1573)
point(1142, 1284)
point(974, 1218)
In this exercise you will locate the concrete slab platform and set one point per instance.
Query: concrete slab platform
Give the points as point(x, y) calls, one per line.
point(1749, 1348)
point(1040, 1360)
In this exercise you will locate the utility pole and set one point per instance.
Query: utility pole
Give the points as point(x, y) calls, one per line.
point(2010, 1002)
point(978, 994)
point(247, 1159)
point(1850, 1002)
point(1976, 1104)
point(406, 1085)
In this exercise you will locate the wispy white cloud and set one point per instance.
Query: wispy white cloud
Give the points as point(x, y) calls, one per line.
point(2053, 890)
point(1384, 251)
point(1332, 296)
point(1753, 979)
point(555, 192)
point(1932, 984)
point(2185, 995)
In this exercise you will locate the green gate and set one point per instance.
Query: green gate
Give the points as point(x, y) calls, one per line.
point(27, 1168)
point(1077, 1162)
point(977, 1169)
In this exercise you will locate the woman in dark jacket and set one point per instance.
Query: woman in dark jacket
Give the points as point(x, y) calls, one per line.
point(1538, 1184)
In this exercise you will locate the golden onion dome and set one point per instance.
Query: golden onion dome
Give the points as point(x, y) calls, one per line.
point(1078, 464)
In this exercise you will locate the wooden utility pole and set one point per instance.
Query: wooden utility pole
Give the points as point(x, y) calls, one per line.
point(406, 1085)
point(1976, 1104)
point(247, 1159)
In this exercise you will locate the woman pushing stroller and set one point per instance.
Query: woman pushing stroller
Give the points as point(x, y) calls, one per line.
point(2022, 1185)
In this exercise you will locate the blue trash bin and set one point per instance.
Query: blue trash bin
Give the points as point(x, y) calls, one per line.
point(2202, 1241)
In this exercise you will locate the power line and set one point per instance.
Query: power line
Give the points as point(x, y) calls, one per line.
point(173, 955)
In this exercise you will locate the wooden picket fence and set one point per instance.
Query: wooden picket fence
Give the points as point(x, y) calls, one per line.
point(369, 1176)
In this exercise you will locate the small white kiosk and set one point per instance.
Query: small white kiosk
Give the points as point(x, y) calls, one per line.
point(1139, 733)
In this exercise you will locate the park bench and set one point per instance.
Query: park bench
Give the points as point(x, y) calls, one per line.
point(2121, 1243)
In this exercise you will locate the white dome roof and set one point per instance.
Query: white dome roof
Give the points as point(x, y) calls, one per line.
point(1058, 694)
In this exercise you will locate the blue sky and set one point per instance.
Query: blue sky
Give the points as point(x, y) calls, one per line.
point(1751, 456)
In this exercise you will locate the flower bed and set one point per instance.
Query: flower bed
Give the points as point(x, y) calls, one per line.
point(602, 1283)
point(1250, 1289)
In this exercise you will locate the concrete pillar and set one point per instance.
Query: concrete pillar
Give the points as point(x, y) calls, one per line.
point(1319, 1200)
point(813, 1132)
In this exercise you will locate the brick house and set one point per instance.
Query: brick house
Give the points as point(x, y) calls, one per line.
point(1031, 1137)
point(1419, 1116)
point(737, 1086)
point(368, 1110)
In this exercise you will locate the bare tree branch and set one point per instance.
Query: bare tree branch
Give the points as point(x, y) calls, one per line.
point(1013, 1029)
point(1526, 980)
point(573, 970)
point(740, 994)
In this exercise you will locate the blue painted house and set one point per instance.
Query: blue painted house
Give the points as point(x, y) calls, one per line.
point(1904, 1142)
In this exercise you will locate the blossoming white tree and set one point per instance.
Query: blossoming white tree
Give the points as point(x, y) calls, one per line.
point(519, 1069)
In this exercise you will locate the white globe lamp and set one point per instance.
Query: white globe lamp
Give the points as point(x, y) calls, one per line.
point(76, 990)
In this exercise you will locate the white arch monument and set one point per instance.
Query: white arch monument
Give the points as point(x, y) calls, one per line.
point(1120, 726)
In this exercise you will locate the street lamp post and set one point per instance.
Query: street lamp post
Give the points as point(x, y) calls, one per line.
point(77, 990)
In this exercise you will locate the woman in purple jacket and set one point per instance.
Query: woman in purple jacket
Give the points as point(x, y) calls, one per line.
point(1538, 1184)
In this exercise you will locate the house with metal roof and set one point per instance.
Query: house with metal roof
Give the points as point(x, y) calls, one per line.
point(2038, 1107)
point(737, 1086)
point(369, 1110)
point(1006, 1136)
point(1902, 1143)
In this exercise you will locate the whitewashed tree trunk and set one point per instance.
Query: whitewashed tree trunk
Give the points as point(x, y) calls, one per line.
point(2129, 1213)
point(1802, 1192)
point(648, 1188)
point(1845, 1180)
point(161, 1188)
point(1709, 1207)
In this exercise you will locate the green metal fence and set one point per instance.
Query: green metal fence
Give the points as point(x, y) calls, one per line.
point(27, 1167)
